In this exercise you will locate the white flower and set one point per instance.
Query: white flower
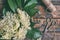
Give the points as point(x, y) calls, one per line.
point(25, 20)
point(11, 23)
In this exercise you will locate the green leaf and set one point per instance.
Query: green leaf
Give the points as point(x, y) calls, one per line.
point(33, 5)
point(31, 9)
point(12, 4)
point(26, 2)
point(33, 34)
point(32, 24)
point(4, 11)
point(22, 2)
point(31, 12)
point(31, 2)
point(18, 3)
point(30, 34)
point(37, 35)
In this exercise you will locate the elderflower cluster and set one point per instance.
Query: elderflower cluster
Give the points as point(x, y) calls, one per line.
point(11, 26)
point(25, 21)
point(24, 18)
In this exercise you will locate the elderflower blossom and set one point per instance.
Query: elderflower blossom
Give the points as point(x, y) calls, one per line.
point(10, 23)
point(25, 20)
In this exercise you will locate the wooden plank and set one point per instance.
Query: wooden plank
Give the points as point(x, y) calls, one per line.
point(56, 2)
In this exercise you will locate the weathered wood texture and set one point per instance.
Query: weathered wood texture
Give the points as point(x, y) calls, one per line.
point(40, 20)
